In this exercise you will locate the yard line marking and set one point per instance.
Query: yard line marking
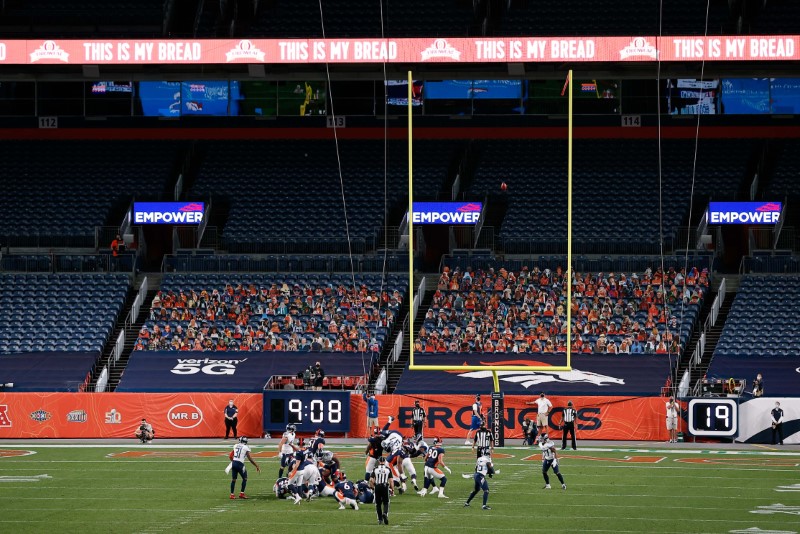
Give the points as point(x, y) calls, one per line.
point(23, 478)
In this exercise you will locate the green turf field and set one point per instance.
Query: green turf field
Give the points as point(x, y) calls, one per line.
point(184, 489)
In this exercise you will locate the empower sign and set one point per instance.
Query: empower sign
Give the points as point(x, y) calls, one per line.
point(168, 212)
point(744, 212)
point(447, 212)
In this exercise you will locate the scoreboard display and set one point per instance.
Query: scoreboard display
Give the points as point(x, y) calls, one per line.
point(309, 410)
point(714, 417)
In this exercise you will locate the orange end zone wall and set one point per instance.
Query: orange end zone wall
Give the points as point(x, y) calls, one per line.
point(196, 415)
point(118, 415)
point(606, 418)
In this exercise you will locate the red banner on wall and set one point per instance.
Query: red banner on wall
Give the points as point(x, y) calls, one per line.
point(406, 50)
point(117, 415)
point(604, 418)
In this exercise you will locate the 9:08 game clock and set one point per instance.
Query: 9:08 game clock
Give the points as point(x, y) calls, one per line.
point(309, 410)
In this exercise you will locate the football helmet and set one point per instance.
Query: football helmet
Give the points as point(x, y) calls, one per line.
point(291, 428)
point(243, 440)
point(543, 438)
point(437, 442)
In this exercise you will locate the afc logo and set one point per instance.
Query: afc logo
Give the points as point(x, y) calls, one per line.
point(4, 419)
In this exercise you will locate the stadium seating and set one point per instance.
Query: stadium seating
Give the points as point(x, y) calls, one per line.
point(37, 209)
point(73, 18)
point(328, 317)
point(192, 262)
point(267, 187)
point(777, 17)
point(609, 215)
point(552, 17)
point(62, 312)
point(763, 319)
point(760, 334)
point(362, 18)
point(501, 311)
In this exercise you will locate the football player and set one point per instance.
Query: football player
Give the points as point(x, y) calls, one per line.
point(393, 444)
point(549, 459)
point(305, 475)
point(241, 452)
point(483, 468)
point(317, 444)
point(329, 474)
point(374, 451)
point(413, 450)
point(433, 460)
point(365, 494)
point(287, 448)
point(346, 493)
point(281, 488)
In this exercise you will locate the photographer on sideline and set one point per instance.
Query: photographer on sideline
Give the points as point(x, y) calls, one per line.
point(145, 432)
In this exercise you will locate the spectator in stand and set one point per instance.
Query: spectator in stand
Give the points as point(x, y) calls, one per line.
point(758, 386)
point(117, 246)
point(319, 376)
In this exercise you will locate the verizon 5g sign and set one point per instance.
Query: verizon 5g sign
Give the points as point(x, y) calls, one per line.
point(206, 366)
point(744, 212)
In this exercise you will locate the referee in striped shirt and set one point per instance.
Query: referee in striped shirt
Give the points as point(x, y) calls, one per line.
point(569, 426)
point(483, 441)
point(418, 416)
point(379, 480)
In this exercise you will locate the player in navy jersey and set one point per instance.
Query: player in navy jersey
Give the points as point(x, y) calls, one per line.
point(317, 444)
point(433, 461)
point(549, 460)
point(483, 469)
point(374, 451)
point(365, 494)
point(281, 488)
point(346, 493)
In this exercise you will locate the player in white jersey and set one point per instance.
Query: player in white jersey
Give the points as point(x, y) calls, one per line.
point(240, 453)
point(393, 445)
point(287, 448)
point(549, 459)
point(483, 468)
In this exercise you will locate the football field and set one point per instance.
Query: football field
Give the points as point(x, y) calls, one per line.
point(172, 487)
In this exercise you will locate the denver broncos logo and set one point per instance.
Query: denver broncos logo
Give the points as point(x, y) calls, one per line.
point(528, 379)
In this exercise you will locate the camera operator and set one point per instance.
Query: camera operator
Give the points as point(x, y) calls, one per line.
point(145, 431)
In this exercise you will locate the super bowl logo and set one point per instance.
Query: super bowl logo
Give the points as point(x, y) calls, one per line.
point(441, 49)
point(113, 417)
point(40, 416)
point(244, 50)
point(639, 47)
point(77, 416)
point(49, 50)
